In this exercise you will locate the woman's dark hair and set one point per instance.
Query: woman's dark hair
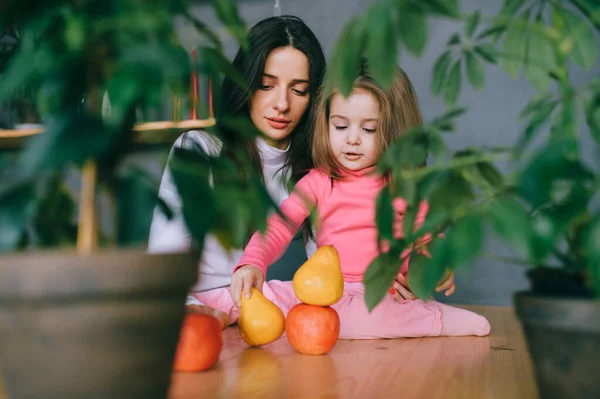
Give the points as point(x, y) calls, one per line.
point(264, 37)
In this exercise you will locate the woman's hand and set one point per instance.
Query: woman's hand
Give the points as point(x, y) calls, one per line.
point(400, 289)
point(447, 284)
point(245, 278)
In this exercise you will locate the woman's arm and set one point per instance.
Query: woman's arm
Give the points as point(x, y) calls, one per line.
point(173, 235)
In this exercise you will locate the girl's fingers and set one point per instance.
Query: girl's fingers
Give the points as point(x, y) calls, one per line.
point(247, 286)
point(403, 291)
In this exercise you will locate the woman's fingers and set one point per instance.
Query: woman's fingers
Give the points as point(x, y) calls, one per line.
point(449, 282)
point(451, 290)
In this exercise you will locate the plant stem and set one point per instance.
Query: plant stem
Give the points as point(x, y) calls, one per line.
point(455, 163)
point(87, 229)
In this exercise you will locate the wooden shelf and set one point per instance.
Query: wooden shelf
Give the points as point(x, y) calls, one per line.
point(146, 133)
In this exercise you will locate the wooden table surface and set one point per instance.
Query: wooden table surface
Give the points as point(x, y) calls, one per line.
point(497, 366)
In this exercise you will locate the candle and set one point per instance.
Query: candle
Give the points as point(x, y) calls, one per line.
point(194, 91)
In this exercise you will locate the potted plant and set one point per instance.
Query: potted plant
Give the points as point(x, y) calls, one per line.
point(545, 206)
point(84, 310)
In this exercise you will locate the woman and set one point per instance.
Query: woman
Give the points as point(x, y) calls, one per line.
point(284, 67)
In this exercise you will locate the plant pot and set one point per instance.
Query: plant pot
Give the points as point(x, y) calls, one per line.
point(102, 326)
point(563, 336)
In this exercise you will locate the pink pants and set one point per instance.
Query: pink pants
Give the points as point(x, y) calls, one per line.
point(389, 319)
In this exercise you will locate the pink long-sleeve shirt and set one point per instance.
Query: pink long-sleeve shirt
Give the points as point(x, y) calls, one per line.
point(346, 214)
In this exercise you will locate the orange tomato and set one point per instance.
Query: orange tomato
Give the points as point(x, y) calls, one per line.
point(200, 343)
point(311, 329)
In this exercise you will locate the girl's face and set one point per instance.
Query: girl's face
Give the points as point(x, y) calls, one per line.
point(280, 101)
point(352, 127)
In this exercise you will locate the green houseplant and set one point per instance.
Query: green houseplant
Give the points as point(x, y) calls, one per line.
point(84, 310)
point(545, 206)
point(527, 207)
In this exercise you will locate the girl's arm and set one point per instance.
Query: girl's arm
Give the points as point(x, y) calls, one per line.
point(262, 250)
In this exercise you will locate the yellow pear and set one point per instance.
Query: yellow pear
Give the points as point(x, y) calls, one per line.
point(261, 321)
point(319, 280)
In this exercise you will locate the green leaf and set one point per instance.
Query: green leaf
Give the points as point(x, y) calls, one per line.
point(408, 222)
point(535, 103)
point(493, 32)
point(475, 72)
point(591, 247)
point(191, 171)
point(203, 29)
point(216, 61)
point(541, 60)
point(446, 8)
point(425, 273)
point(66, 140)
point(55, 221)
point(17, 205)
point(436, 143)
point(509, 9)
point(589, 8)
point(549, 164)
point(592, 116)
point(449, 115)
point(487, 52)
point(562, 126)
point(543, 234)
point(454, 39)
point(440, 70)
point(584, 48)
point(242, 125)
point(379, 277)
point(466, 241)
point(511, 222)
point(382, 49)
point(452, 88)
point(405, 189)
point(412, 27)
point(227, 12)
point(385, 215)
point(472, 23)
point(538, 118)
point(490, 174)
point(347, 56)
point(514, 46)
point(451, 193)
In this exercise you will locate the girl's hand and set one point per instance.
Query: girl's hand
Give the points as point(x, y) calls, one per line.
point(447, 284)
point(245, 277)
point(400, 290)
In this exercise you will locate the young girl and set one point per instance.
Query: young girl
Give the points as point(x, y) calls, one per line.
point(350, 136)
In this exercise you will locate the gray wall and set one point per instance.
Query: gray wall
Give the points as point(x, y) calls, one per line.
point(491, 120)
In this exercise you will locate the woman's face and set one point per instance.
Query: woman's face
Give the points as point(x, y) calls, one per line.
point(278, 104)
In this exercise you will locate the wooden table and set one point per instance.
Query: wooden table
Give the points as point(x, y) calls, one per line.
point(497, 366)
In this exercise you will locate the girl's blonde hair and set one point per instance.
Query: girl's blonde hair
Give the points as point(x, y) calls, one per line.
point(398, 111)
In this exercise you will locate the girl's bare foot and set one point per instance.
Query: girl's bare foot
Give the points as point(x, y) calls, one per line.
point(203, 309)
